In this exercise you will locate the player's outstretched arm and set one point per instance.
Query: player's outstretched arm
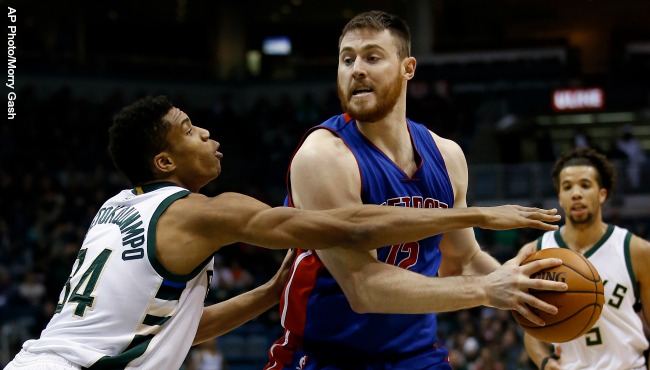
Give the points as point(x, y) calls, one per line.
point(368, 226)
point(232, 217)
point(223, 317)
point(201, 225)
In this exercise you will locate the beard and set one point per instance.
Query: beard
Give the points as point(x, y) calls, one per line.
point(586, 220)
point(386, 99)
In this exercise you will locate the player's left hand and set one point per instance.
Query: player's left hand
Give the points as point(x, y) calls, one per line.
point(514, 216)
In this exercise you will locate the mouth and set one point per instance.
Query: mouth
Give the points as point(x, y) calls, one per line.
point(361, 91)
point(578, 209)
point(217, 153)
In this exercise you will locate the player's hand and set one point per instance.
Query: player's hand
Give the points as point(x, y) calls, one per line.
point(514, 217)
point(280, 278)
point(507, 287)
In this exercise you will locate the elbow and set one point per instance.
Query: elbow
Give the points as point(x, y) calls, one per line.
point(358, 304)
point(361, 307)
point(356, 294)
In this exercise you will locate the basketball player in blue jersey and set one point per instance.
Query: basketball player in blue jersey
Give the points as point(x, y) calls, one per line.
point(354, 309)
point(584, 179)
point(135, 296)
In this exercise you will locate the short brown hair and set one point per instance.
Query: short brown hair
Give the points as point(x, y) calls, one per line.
point(379, 21)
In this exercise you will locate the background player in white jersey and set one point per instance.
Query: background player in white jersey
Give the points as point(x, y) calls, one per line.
point(135, 298)
point(584, 180)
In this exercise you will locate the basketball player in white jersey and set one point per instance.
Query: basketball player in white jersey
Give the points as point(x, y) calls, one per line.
point(584, 179)
point(135, 296)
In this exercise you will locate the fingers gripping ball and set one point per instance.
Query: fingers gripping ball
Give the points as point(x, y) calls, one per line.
point(579, 307)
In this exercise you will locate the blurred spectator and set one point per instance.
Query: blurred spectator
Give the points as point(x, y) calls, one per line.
point(307, 112)
point(635, 156)
point(546, 147)
point(222, 279)
point(242, 279)
point(206, 356)
point(31, 289)
point(582, 139)
point(6, 287)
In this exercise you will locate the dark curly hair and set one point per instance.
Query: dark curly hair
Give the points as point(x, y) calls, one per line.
point(379, 21)
point(137, 134)
point(586, 157)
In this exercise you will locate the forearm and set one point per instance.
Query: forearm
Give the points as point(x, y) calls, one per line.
point(359, 227)
point(220, 318)
point(537, 350)
point(382, 225)
point(375, 287)
point(481, 264)
point(388, 292)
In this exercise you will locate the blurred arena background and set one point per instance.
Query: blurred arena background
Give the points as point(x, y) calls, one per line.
point(514, 82)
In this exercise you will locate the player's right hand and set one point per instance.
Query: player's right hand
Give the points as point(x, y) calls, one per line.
point(507, 287)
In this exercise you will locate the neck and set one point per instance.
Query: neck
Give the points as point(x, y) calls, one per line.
point(581, 237)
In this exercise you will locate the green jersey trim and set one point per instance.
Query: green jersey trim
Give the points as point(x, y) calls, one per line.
point(151, 243)
point(628, 262)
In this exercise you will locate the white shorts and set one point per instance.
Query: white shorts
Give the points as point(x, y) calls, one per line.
point(41, 361)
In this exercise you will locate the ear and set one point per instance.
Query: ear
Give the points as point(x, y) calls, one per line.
point(408, 67)
point(163, 163)
point(603, 195)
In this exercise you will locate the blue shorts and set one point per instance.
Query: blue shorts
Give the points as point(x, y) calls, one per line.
point(435, 358)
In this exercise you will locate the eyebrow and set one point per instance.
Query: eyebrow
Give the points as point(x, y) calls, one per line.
point(367, 47)
point(185, 120)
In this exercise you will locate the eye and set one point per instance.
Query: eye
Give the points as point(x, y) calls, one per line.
point(189, 132)
point(348, 61)
point(372, 58)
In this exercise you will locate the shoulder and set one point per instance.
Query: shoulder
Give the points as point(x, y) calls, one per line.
point(324, 172)
point(455, 163)
point(451, 152)
point(198, 210)
point(322, 147)
point(640, 256)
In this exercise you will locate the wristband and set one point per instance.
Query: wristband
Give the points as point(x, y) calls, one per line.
point(545, 360)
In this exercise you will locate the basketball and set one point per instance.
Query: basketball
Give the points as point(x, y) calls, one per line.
point(579, 307)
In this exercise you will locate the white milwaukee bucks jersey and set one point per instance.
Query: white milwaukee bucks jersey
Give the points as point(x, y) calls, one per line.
point(617, 340)
point(120, 308)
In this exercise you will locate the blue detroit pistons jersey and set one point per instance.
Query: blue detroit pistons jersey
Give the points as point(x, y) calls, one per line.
point(314, 310)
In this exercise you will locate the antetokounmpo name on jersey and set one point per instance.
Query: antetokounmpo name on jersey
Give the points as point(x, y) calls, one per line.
point(129, 221)
point(415, 202)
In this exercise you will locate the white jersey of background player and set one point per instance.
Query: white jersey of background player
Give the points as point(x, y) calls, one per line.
point(584, 179)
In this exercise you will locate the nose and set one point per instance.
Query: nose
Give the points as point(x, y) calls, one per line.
point(358, 68)
point(576, 192)
point(205, 134)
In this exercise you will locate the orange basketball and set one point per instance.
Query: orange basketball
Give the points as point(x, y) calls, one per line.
point(579, 307)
